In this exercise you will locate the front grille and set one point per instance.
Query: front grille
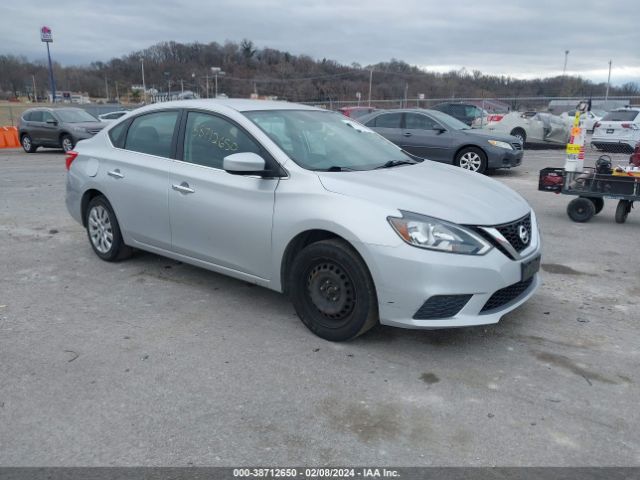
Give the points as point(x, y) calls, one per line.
point(516, 145)
point(511, 231)
point(441, 306)
point(506, 295)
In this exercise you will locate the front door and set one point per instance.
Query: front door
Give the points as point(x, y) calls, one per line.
point(218, 217)
point(426, 138)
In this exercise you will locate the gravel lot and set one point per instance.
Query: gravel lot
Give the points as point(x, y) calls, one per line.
point(153, 362)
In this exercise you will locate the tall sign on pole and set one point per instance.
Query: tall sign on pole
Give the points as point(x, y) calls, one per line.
point(46, 36)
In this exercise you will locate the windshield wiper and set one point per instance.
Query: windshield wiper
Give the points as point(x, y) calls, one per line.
point(395, 163)
point(335, 168)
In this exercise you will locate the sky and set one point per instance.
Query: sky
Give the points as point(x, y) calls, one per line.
point(522, 39)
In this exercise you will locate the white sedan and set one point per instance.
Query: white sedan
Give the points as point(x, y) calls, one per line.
point(532, 127)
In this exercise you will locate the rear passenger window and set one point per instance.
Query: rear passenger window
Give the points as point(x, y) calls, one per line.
point(389, 120)
point(35, 116)
point(209, 138)
point(152, 133)
point(118, 133)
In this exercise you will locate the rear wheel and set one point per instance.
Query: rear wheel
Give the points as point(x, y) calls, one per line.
point(332, 291)
point(598, 203)
point(27, 143)
point(104, 232)
point(67, 143)
point(622, 211)
point(581, 209)
point(472, 159)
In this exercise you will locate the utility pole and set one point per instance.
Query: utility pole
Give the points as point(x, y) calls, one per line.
point(181, 86)
point(216, 71)
point(566, 56)
point(207, 77)
point(117, 93)
point(606, 95)
point(406, 94)
point(35, 92)
point(106, 88)
point(370, 82)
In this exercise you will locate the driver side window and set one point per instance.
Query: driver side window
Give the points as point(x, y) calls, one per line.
point(419, 122)
point(209, 138)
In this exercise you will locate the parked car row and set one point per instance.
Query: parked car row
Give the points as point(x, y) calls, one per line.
point(316, 205)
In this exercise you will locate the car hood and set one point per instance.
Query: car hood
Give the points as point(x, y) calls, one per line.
point(433, 189)
point(489, 135)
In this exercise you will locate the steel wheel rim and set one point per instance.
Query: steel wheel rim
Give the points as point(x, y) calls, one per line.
point(100, 230)
point(26, 142)
point(471, 161)
point(330, 291)
point(66, 144)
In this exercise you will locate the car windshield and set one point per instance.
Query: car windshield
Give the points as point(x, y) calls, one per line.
point(448, 121)
point(75, 116)
point(318, 140)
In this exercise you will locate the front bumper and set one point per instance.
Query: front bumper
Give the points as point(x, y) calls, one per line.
point(406, 277)
point(503, 158)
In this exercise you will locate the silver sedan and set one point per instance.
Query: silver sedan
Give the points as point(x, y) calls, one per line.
point(309, 203)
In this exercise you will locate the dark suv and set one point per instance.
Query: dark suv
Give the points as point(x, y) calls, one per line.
point(465, 112)
point(56, 128)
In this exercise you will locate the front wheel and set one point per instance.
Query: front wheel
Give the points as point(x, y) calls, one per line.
point(472, 159)
point(598, 203)
point(67, 143)
point(332, 291)
point(581, 209)
point(27, 144)
point(520, 134)
point(104, 232)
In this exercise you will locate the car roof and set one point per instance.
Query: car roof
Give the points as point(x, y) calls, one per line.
point(238, 104)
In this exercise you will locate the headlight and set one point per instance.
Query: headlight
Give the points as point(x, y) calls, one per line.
point(427, 232)
point(498, 143)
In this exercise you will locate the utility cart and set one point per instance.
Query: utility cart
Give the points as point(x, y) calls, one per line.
point(591, 186)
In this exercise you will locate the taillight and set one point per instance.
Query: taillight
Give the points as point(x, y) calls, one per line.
point(626, 125)
point(69, 158)
point(596, 125)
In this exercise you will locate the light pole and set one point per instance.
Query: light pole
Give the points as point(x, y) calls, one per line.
point(216, 71)
point(144, 86)
point(606, 95)
point(566, 56)
point(168, 76)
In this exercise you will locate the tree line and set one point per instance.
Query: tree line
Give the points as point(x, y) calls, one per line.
point(173, 66)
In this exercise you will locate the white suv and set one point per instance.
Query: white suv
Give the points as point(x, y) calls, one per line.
point(619, 130)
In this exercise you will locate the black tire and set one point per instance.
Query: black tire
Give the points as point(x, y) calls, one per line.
point(472, 159)
point(103, 231)
point(67, 143)
point(598, 203)
point(622, 211)
point(520, 134)
point(27, 143)
point(332, 291)
point(581, 209)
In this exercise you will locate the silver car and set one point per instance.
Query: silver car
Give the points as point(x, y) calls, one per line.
point(309, 203)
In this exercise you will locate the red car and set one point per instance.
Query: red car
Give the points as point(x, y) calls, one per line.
point(634, 159)
point(355, 112)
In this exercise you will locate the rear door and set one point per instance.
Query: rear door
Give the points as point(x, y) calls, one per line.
point(389, 125)
point(135, 176)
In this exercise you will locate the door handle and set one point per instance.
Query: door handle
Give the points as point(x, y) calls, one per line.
point(183, 188)
point(115, 173)
point(406, 134)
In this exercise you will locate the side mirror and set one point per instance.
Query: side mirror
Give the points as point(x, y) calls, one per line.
point(52, 122)
point(440, 129)
point(245, 163)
